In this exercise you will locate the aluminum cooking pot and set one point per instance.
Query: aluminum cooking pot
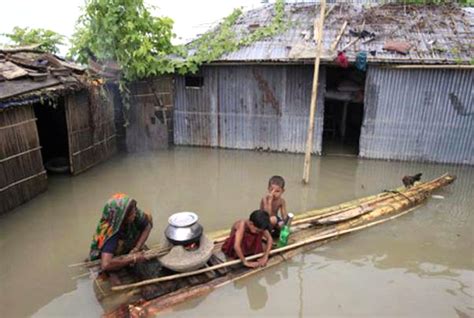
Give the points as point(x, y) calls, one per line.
point(183, 228)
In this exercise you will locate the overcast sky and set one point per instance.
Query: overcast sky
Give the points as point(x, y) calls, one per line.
point(190, 17)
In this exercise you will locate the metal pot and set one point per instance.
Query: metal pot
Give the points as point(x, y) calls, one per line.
point(183, 228)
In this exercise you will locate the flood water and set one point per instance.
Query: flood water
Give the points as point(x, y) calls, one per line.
point(419, 265)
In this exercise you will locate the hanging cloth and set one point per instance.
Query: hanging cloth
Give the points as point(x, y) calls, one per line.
point(342, 60)
point(361, 61)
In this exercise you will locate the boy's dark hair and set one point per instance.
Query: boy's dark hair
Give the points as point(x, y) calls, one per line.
point(260, 219)
point(277, 180)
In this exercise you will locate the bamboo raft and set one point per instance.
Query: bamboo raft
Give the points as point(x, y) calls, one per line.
point(147, 296)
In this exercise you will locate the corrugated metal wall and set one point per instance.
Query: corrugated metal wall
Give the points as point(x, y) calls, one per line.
point(249, 107)
point(423, 115)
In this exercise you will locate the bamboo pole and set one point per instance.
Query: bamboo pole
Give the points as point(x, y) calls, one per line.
point(350, 44)
point(148, 255)
point(329, 11)
point(338, 38)
point(314, 97)
point(275, 251)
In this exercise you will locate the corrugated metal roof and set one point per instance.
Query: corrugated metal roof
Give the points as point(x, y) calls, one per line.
point(438, 33)
point(422, 115)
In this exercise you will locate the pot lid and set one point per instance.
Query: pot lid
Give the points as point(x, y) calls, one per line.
point(183, 219)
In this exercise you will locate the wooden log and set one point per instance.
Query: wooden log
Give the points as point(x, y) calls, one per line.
point(314, 97)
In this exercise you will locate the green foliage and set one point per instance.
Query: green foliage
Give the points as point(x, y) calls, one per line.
point(48, 40)
point(124, 31)
point(223, 39)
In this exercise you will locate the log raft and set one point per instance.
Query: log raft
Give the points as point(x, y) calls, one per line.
point(150, 296)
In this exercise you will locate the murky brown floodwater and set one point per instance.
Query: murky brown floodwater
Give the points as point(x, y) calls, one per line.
point(420, 265)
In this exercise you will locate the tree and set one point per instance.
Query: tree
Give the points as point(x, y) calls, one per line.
point(124, 31)
point(47, 39)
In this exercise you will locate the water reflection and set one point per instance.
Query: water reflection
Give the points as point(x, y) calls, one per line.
point(424, 260)
point(257, 294)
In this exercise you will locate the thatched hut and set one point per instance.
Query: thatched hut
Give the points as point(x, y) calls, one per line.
point(51, 116)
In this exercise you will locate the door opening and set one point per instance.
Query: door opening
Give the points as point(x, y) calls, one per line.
point(52, 131)
point(343, 111)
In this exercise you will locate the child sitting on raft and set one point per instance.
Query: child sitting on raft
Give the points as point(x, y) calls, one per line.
point(273, 202)
point(246, 238)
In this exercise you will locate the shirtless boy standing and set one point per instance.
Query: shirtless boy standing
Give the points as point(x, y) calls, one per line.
point(273, 203)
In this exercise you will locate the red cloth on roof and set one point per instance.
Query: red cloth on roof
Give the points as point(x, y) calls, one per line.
point(342, 60)
point(251, 244)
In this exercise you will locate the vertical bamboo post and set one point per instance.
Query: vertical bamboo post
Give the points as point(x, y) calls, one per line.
point(314, 95)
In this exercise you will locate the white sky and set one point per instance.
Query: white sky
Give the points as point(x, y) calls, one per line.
point(190, 17)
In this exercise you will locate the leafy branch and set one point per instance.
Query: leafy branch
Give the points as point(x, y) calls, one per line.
point(48, 40)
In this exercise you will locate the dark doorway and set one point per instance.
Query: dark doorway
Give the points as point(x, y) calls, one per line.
point(343, 111)
point(52, 131)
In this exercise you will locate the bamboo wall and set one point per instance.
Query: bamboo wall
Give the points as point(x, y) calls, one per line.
point(91, 129)
point(151, 114)
point(22, 174)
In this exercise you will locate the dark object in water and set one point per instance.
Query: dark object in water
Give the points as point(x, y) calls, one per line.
point(57, 165)
point(409, 181)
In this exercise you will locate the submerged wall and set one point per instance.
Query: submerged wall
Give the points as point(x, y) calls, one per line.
point(420, 115)
point(249, 107)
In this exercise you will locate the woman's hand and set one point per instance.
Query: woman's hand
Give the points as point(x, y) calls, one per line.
point(139, 257)
point(135, 250)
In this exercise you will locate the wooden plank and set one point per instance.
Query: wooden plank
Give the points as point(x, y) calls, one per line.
point(9, 89)
point(215, 260)
point(11, 71)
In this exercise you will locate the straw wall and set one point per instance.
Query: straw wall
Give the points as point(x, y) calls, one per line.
point(22, 174)
point(91, 129)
